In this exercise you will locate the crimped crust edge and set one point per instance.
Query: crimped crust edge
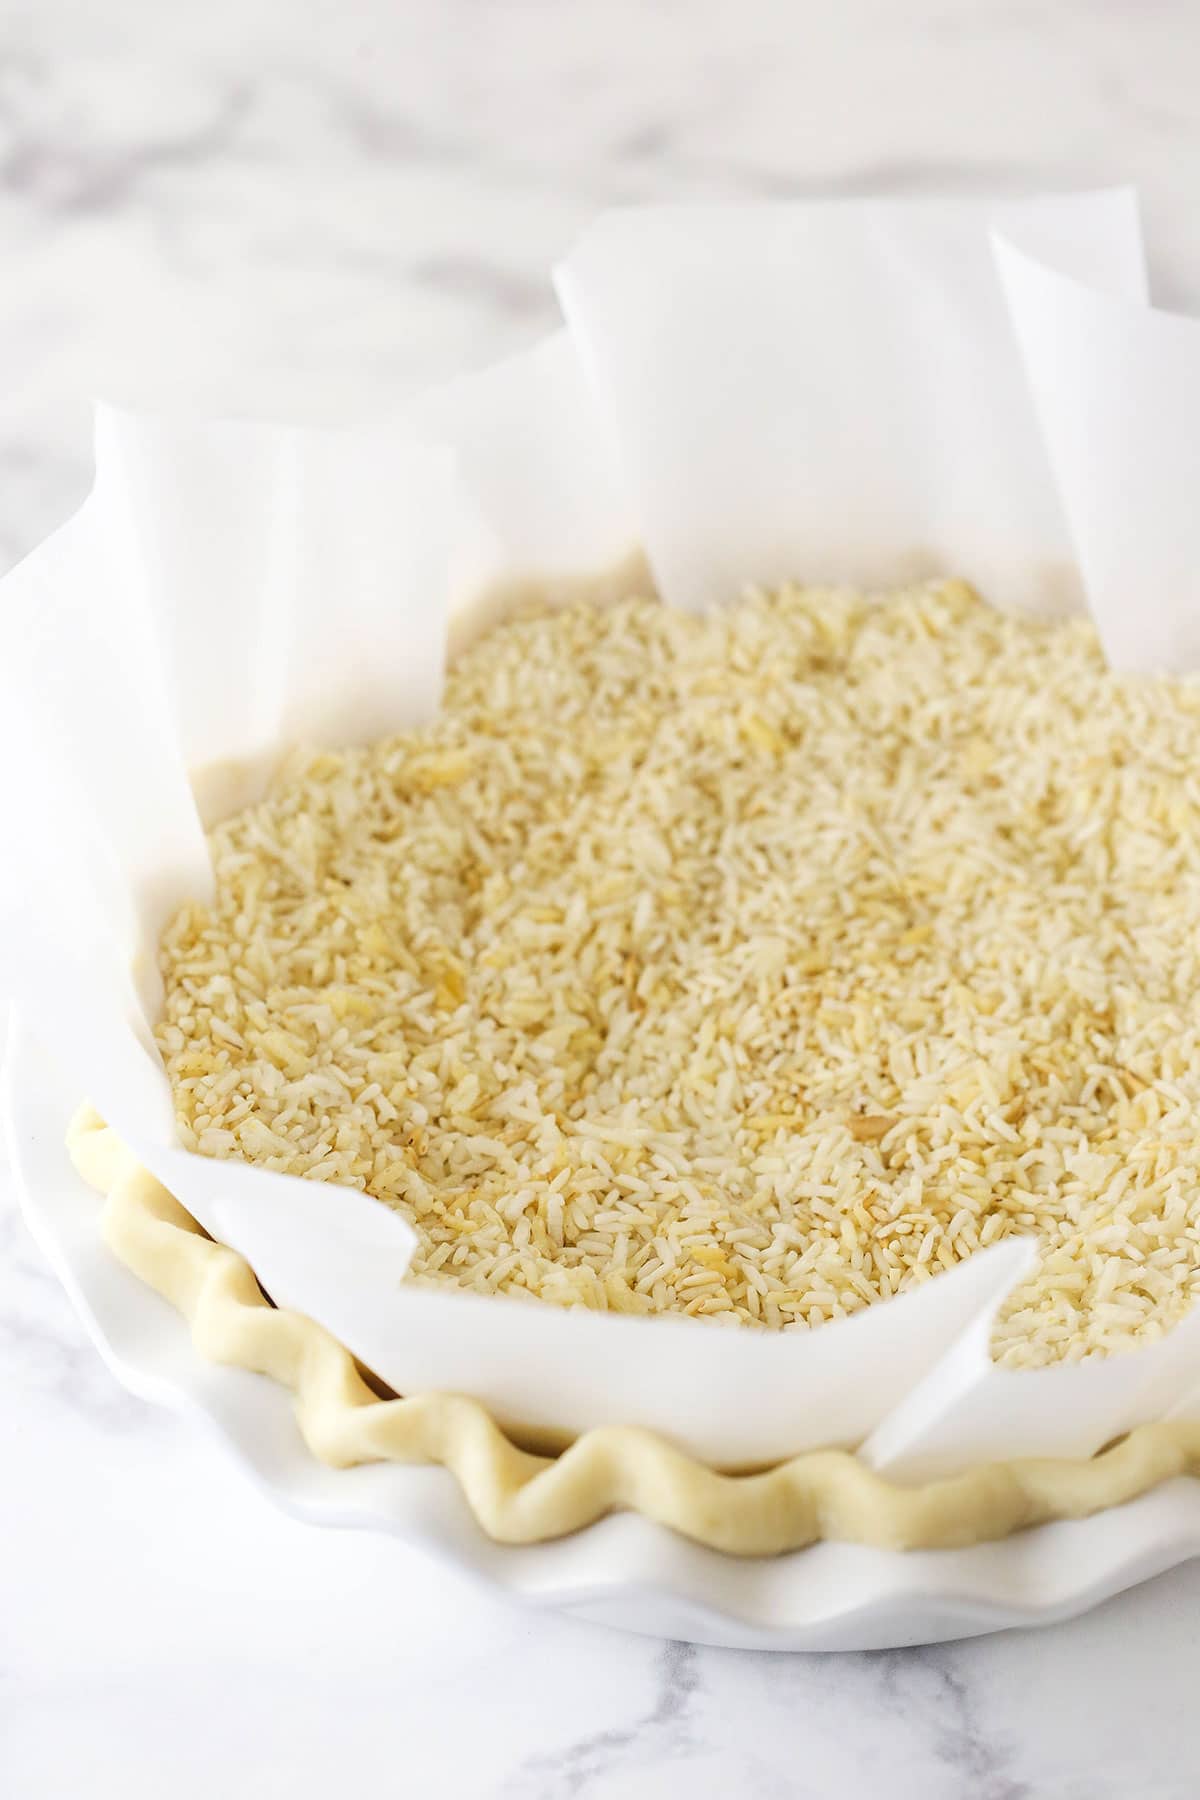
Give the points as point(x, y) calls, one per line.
point(518, 1497)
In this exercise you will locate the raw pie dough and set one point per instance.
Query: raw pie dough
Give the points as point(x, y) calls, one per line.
point(520, 1498)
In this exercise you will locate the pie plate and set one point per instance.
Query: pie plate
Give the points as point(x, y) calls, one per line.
point(624, 1571)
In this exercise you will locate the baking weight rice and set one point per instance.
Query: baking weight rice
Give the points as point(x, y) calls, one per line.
point(754, 966)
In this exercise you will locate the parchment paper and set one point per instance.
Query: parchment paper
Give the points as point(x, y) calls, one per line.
point(854, 391)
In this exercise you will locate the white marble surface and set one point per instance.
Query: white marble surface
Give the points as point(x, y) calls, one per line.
point(312, 210)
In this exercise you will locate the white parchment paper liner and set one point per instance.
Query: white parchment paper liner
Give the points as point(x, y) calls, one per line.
point(857, 391)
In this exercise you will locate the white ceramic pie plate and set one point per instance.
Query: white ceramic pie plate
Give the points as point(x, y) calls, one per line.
point(622, 1572)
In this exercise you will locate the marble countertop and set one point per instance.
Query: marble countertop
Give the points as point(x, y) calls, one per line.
point(312, 212)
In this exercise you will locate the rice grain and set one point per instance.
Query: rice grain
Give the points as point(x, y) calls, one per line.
point(753, 966)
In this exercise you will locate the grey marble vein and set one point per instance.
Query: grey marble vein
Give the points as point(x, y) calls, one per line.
point(664, 1733)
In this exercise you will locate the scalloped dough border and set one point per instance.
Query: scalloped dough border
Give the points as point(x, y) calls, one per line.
point(521, 1498)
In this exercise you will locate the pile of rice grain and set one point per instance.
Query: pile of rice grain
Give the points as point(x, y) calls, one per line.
point(755, 966)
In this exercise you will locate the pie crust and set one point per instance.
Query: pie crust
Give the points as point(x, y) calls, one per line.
point(521, 1498)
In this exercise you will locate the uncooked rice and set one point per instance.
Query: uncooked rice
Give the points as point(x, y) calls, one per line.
point(755, 966)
